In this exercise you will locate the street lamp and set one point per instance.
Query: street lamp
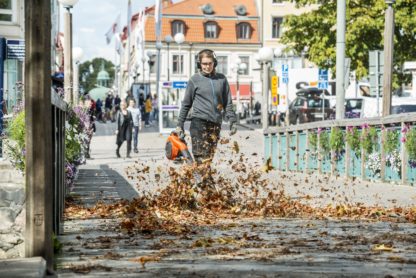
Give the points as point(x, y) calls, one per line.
point(68, 4)
point(239, 68)
point(179, 39)
point(265, 59)
point(77, 54)
point(278, 53)
point(150, 62)
point(168, 40)
point(144, 61)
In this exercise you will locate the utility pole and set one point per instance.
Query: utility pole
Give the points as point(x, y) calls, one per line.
point(265, 102)
point(38, 109)
point(340, 78)
point(68, 56)
point(388, 57)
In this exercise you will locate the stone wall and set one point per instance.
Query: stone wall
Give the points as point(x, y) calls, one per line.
point(12, 212)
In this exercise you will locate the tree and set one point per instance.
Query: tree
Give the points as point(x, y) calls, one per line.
point(87, 79)
point(364, 32)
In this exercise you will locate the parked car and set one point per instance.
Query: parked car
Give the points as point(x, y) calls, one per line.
point(309, 106)
point(403, 108)
point(353, 107)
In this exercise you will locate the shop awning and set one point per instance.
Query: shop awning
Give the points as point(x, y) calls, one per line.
point(244, 91)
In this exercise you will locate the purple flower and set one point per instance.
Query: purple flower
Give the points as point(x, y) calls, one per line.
point(319, 130)
point(350, 129)
point(365, 125)
point(405, 129)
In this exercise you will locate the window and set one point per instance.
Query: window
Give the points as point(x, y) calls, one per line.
point(211, 30)
point(243, 30)
point(6, 10)
point(178, 26)
point(177, 64)
point(152, 63)
point(222, 66)
point(245, 60)
point(277, 27)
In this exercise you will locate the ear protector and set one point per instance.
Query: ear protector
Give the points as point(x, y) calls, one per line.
point(198, 63)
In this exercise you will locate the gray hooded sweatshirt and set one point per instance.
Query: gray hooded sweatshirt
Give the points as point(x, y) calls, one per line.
point(209, 96)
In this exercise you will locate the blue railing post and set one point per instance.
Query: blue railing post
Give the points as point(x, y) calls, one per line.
point(2, 59)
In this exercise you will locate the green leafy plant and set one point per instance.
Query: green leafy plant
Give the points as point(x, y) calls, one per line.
point(369, 139)
point(353, 139)
point(15, 143)
point(337, 140)
point(313, 140)
point(410, 143)
point(324, 142)
point(391, 142)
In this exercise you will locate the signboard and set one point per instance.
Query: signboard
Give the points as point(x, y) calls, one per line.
point(323, 79)
point(15, 50)
point(179, 84)
point(285, 74)
point(273, 88)
point(376, 68)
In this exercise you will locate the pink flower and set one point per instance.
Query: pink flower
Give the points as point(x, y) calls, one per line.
point(365, 125)
point(403, 139)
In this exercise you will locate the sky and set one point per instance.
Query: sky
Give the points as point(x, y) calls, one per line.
point(91, 19)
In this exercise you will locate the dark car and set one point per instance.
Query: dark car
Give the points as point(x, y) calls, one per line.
point(353, 108)
point(403, 108)
point(309, 106)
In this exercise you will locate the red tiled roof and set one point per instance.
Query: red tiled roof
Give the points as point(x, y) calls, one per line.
point(245, 92)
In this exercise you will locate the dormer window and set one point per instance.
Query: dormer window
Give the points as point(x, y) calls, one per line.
point(243, 30)
point(178, 26)
point(211, 30)
point(207, 9)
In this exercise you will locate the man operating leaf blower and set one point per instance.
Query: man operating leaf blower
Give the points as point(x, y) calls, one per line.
point(209, 96)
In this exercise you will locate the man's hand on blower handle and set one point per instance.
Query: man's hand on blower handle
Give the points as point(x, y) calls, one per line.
point(179, 131)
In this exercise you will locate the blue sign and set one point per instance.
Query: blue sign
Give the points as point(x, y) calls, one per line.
point(285, 74)
point(323, 79)
point(16, 49)
point(179, 84)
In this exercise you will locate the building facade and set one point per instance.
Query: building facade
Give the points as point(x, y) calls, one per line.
point(230, 28)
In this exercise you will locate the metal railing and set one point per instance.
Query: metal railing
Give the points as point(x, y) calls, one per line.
point(59, 108)
point(289, 149)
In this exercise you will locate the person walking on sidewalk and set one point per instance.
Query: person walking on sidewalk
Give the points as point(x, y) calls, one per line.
point(147, 110)
point(155, 104)
point(124, 122)
point(137, 122)
point(208, 93)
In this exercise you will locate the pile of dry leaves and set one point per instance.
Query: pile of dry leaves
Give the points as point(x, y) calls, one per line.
point(199, 195)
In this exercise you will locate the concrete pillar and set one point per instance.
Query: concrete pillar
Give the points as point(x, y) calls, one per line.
point(388, 57)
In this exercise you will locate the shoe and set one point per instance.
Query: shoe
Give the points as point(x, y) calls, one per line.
point(136, 151)
point(118, 154)
point(128, 156)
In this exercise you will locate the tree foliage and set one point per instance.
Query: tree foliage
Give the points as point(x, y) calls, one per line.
point(87, 79)
point(364, 32)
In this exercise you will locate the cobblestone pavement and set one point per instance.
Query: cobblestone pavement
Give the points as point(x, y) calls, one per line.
point(268, 247)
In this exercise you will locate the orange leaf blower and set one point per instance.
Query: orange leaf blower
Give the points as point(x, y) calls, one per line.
point(177, 150)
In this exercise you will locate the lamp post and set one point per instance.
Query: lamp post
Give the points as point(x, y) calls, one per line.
point(77, 53)
point(168, 40)
point(179, 39)
point(150, 62)
point(265, 58)
point(239, 67)
point(144, 61)
point(278, 52)
point(388, 56)
point(68, 4)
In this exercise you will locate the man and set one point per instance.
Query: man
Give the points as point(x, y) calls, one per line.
point(208, 93)
point(108, 106)
point(137, 122)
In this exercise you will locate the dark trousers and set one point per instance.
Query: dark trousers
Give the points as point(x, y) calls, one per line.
point(205, 136)
point(146, 118)
point(135, 136)
point(128, 147)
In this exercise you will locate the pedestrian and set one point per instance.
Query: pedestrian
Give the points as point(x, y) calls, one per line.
point(137, 122)
point(117, 101)
point(124, 122)
point(208, 93)
point(155, 106)
point(108, 106)
point(147, 110)
point(129, 97)
point(141, 103)
point(98, 108)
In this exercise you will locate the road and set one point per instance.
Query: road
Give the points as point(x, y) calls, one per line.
point(233, 246)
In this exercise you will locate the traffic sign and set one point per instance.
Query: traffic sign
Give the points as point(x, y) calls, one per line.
point(323, 79)
point(285, 74)
point(273, 88)
point(179, 84)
